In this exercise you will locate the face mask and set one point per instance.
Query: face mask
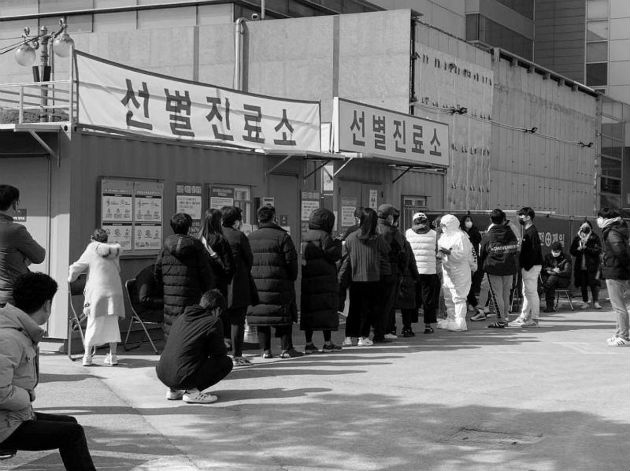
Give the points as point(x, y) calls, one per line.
point(521, 222)
point(600, 222)
point(586, 230)
point(555, 254)
point(468, 224)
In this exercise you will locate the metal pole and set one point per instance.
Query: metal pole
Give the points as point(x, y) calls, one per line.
point(43, 68)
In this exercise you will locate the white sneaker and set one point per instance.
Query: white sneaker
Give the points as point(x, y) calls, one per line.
point(584, 306)
point(596, 305)
point(365, 342)
point(349, 342)
point(390, 336)
point(197, 397)
point(110, 360)
point(87, 360)
point(174, 394)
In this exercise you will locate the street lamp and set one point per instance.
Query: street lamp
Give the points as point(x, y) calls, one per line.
point(61, 44)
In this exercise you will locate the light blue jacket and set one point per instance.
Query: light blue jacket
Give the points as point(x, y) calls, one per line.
point(19, 336)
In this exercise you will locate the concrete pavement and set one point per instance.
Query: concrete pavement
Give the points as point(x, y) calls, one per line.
point(554, 398)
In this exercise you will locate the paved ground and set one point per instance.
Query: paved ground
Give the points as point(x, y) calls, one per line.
point(553, 398)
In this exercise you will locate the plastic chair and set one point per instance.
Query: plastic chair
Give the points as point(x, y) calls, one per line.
point(136, 317)
point(77, 320)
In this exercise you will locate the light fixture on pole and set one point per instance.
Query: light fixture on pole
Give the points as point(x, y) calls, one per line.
point(58, 42)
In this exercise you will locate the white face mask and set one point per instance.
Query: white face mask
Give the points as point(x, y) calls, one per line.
point(555, 254)
point(468, 224)
point(600, 222)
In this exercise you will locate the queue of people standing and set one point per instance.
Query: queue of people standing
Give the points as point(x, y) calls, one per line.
point(209, 284)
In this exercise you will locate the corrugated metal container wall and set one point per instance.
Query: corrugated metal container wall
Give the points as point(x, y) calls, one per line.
point(547, 170)
point(94, 156)
point(417, 183)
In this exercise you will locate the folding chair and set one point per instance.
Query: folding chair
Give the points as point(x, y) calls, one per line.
point(136, 316)
point(566, 292)
point(77, 320)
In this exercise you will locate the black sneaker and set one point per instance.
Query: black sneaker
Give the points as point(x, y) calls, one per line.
point(330, 347)
point(428, 330)
point(408, 333)
point(498, 325)
point(291, 353)
point(310, 348)
point(381, 340)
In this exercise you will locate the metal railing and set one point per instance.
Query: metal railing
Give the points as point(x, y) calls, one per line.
point(38, 102)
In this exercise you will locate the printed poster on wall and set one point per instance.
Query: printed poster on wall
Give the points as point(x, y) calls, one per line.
point(188, 201)
point(310, 202)
point(373, 199)
point(117, 211)
point(148, 202)
point(148, 237)
point(348, 205)
point(221, 196)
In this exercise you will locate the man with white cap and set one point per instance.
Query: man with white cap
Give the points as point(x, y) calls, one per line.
point(423, 241)
point(458, 263)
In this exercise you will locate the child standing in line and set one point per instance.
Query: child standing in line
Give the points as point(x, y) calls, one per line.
point(103, 295)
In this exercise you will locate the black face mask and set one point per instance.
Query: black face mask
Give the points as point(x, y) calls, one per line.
point(521, 222)
point(586, 230)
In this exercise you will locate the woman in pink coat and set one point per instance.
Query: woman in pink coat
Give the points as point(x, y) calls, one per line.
point(103, 295)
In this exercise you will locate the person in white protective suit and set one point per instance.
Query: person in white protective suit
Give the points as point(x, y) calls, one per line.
point(458, 262)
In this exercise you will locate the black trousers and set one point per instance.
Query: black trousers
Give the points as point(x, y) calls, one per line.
point(474, 288)
point(429, 293)
point(236, 320)
point(283, 331)
point(365, 297)
point(587, 280)
point(211, 371)
point(50, 432)
point(308, 335)
point(550, 284)
point(385, 322)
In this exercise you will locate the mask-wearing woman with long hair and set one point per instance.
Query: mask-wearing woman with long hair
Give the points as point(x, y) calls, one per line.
point(219, 255)
point(366, 254)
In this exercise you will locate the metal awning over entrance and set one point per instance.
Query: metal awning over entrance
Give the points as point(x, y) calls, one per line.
point(20, 146)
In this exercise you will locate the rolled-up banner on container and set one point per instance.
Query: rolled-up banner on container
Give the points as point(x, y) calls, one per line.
point(116, 96)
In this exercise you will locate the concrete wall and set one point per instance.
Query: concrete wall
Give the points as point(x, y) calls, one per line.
point(560, 36)
point(547, 173)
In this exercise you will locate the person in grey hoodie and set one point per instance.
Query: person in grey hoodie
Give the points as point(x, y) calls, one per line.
point(21, 428)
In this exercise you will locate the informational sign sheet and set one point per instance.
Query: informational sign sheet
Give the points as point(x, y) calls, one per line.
point(310, 202)
point(348, 206)
point(188, 201)
point(221, 196)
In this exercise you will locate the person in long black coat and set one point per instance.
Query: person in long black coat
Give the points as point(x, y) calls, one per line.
point(275, 270)
point(318, 306)
point(182, 271)
point(241, 292)
point(587, 248)
point(468, 226)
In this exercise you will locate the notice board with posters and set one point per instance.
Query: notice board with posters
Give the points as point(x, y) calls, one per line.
point(130, 211)
point(188, 200)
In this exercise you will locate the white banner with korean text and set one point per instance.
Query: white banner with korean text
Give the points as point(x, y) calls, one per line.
point(115, 96)
point(376, 132)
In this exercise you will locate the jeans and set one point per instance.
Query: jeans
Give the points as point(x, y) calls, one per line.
point(49, 432)
point(500, 287)
point(531, 300)
point(619, 294)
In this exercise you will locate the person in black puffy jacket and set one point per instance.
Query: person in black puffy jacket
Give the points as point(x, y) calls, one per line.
point(320, 252)
point(616, 270)
point(275, 270)
point(181, 270)
point(195, 356)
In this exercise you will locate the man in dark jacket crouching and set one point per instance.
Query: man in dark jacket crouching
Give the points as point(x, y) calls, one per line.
point(195, 356)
